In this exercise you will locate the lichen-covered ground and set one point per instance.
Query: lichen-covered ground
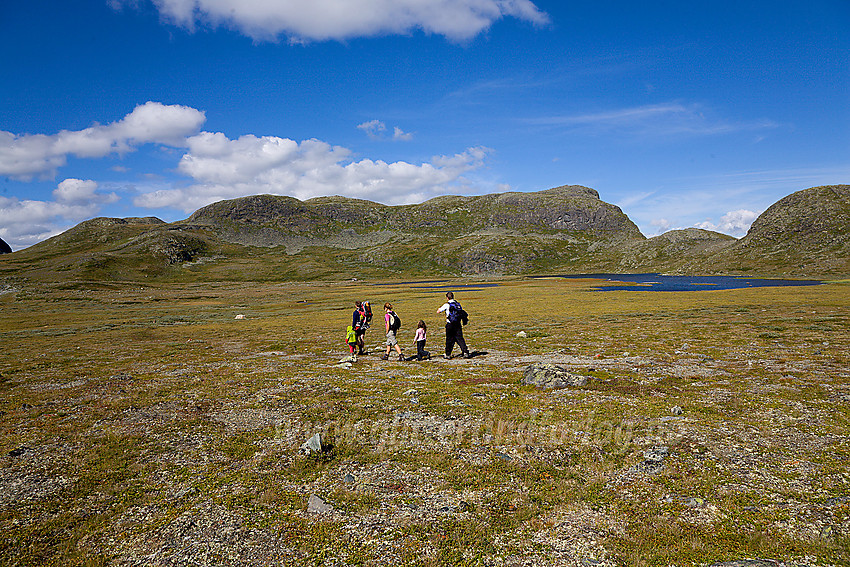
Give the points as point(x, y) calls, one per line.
point(145, 425)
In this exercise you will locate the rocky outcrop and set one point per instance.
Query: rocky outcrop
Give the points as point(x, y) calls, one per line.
point(552, 377)
point(4, 248)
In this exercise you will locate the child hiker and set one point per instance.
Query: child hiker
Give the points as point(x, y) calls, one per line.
point(351, 339)
point(419, 339)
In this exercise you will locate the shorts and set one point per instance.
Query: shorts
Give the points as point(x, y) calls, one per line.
point(391, 340)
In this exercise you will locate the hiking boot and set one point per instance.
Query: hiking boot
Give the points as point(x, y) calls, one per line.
point(467, 355)
point(401, 357)
point(447, 356)
point(385, 357)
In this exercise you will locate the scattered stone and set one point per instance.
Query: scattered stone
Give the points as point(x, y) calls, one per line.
point(312, 445)
point(689, 501)
point(348, 478)
point(504, 456)
point(410, 393)
point(653, 460)
point(240, 316)
point(656, 454)
point(317, 506)
point(522, 335)
point(837, 501)
point(19, 451)
point(676, 410)
point(746, 563)
point(551, 377)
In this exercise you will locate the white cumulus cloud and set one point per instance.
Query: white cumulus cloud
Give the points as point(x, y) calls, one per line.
point(81, 192)
point(401, 135)
point(223, 168)
point(373, 128)
point(25, 156)
point(319, 20)
point(25, 222)
point(736, 223)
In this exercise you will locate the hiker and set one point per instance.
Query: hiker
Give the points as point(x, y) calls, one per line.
point(351, 339)
point(456, 317)
point(419, 339)
point(360, 322)
point(392, 323)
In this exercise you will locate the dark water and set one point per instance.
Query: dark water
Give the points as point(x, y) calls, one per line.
point(441, 284)
point(657, 282)
point(457, 286)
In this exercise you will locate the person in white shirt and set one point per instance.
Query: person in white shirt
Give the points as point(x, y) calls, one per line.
point(454, 325)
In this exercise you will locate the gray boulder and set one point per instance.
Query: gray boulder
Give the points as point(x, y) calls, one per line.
point(317, 506)
point(313, 445)
point(551, 377)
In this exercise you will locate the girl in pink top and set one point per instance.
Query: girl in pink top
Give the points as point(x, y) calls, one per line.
point(420, 337)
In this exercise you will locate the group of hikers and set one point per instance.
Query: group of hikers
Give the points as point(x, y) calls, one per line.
point(456, 318)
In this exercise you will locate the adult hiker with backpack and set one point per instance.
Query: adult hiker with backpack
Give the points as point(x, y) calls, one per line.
point(361, 318)
point(392, 323)
point(456, 318)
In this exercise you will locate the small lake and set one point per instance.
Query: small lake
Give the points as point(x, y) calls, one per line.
point(658, 282)
point(441, 284)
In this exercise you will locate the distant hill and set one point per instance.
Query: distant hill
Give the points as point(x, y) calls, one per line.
point(688, 250)
point(562, 230)
point(492, 234)
point(4, 248)
point(807, 232)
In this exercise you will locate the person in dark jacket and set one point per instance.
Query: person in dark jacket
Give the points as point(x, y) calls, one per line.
point(455, 316)
point(359, 323)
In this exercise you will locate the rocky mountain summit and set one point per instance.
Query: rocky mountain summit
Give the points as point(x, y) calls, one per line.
point(4, 247)
point(566, 229)
point(572, 208)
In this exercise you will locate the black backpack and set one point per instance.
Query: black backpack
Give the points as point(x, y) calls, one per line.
point(395, 322)
point(456, 313)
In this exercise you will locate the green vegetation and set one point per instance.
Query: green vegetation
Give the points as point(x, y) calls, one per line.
point(142, 419)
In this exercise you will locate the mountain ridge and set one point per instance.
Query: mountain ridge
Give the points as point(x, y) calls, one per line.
point(566, 229)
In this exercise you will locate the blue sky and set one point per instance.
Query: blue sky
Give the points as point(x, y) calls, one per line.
point(682, 113)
